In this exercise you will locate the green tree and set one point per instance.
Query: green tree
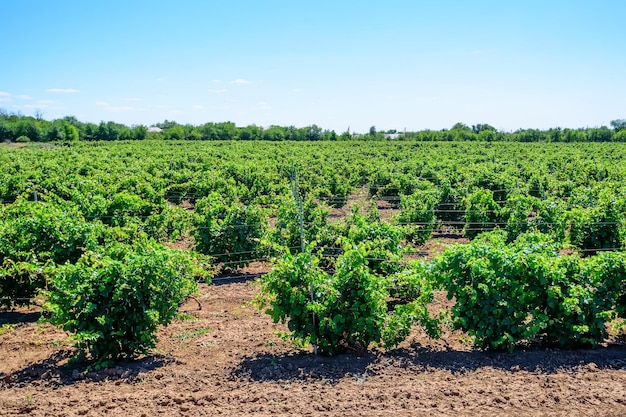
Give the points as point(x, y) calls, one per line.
point(618, 124)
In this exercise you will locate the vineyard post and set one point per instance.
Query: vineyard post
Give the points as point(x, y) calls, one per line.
point(35, 195)
point(296, 196)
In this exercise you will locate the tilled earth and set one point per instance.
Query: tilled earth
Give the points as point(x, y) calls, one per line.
point(226, 359)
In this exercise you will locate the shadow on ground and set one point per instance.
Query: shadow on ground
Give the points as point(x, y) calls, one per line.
point(419, 359)
point(57, 370)
point(11, 317)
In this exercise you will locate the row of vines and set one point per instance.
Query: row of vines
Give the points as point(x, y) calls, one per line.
point(92, 227)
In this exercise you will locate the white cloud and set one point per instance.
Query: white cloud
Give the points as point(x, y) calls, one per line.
point(297, 90)
point(5, 99)
point(24, 97)
point(241, 81)
point(223, 90)
point(34, 106)
point(62, 90)
point(197, 106)
point(46, 101)
point(3, 93)
point(102, 103)
point(132, 99)
point(217, 81)
point(264, 105)
point(177, 111)
point(161, 79)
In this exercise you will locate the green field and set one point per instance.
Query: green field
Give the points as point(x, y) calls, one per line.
point(557, 212)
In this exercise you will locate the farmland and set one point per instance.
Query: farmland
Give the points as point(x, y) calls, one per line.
point(362, 232)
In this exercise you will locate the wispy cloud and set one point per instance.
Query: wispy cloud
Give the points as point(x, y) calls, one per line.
point(102, 103)
point(132, 99)
point(5, 99)
point(62, 90)
point(197, 106)
point(177, 111)
point(34, 106)
point(5, 94)
point(24, 97)
point(46, 101)
point(264, 105)
point(297, 90)
point(217, 81)
point(223, 90)
point(241, 81)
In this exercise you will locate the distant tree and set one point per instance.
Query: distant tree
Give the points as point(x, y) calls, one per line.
point(166, 124)
point(618, 124)
point(373, 131)
point(600, 134)
point(6, 131)
point(29, 127)
point(251, 132)
point(480, 127)
point(140, 132)
point(274, 133)
point(315, 132)
point(174, 133)
point(55, 132)
point(70, 133)
point(461, 126)
point(227, 131)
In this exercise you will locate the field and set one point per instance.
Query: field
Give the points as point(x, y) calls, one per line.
point(227, 360)
point(534, 311)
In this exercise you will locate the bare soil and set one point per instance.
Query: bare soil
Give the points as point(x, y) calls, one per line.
point(226, 359)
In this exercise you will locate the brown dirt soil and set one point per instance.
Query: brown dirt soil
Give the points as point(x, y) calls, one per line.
point(227, 360)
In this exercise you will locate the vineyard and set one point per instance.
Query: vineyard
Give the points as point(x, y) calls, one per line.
point(350, 249)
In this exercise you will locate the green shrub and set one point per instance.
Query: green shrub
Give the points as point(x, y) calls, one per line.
point(417, 214)
point(384, 249)
point(599, 226)
point(287, 231)
point(34, 237)
point(20, 281)
point(113, 301)
point(344, 310)
point(228, 231)
point(511, 294)
point(482, 213)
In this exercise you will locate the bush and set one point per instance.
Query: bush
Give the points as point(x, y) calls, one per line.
point(34, 237)
point(482, 213)
point(349, 308)
point(417, 214)
point(511, 294)
point(383, 240)
point(287, 231)
point(600, 225)
point(228, 231)
point(113, 301)
point(20, 281)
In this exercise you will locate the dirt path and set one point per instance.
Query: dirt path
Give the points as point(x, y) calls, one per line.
point(227, 360)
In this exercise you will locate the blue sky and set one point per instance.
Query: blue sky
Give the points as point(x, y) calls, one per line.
point(392, 64)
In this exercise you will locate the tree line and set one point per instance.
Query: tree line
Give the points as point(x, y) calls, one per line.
point(18, 128)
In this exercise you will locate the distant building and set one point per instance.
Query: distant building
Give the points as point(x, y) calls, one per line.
point(152, 129)
point(392, 136)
